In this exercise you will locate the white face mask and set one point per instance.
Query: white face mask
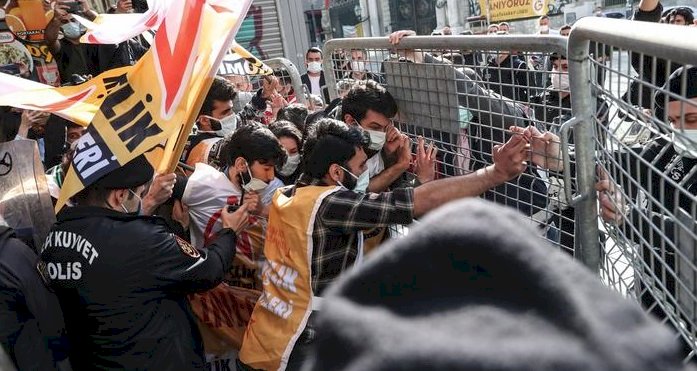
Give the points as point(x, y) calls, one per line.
point(544, 29)
point(314, 67)
point(377, 139)
point(685, 143)
point(358, 66)
point(560, 81)
point(291, 165)
point(254, 184)
point(361, 181)
point(228, 124)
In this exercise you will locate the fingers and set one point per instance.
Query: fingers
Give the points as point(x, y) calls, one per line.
point(406, 145)
point(602, 174)
point(602, 186)
point(549, 137)
point(168, 181)
point(406, 141)
point(432, 151)
point(420, 149)
point(397, 36)
point(608, 211)
point(236, 220)
point(392, 133)
point(251, 199)
point(243, 209)
point(424, 154)
point(517, 143)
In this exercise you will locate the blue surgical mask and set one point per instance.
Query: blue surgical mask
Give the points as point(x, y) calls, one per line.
point(362, 181)
point(72, 30)
point(140, 205)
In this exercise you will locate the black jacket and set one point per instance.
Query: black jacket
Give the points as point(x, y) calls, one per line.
point(122, 282)
point(322, 85)
point(31, 321)
point(668, 165)
point(551, 109)
point(644, 64)
point(510, 78)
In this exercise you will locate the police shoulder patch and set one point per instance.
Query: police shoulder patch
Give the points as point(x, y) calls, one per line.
point(187, 248)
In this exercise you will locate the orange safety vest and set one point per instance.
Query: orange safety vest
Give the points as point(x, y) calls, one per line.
point(283, 309)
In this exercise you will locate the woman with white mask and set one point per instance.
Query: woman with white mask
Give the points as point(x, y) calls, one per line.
point(291, 139)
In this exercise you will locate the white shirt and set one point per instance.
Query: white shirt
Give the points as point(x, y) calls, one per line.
point(314, 83)
point(375, 164)
point(207, 191)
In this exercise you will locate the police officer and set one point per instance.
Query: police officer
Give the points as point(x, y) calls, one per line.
point(122, 278)
point(32, 328)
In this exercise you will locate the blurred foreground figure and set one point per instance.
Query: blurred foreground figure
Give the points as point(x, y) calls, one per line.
point(473, 287)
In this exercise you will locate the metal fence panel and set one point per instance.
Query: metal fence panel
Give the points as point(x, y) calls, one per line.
point(462, 93)
point(647, 245)
point(288, 68)
point(286, 71)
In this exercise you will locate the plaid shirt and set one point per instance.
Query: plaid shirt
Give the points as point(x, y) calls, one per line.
point(340, 216)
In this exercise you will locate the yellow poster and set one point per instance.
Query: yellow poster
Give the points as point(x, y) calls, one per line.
point(135, 109)
point(507, 10)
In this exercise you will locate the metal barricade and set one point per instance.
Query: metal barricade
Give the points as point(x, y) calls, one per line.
point(463, 93)
point(287, 74)
point(644, 167)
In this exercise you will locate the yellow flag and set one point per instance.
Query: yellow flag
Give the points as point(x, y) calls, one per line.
point(131, 110)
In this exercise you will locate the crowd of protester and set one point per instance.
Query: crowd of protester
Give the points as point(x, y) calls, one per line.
point(283, 199)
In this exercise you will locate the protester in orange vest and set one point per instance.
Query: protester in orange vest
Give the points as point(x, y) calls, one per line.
point(315, 232)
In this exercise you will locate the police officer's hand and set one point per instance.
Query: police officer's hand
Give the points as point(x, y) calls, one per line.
point(253, 202)
point(238, 220)
point(160, 191)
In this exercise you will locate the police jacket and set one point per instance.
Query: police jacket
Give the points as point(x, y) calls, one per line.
point(654, 185)
point(31, 322)
point(122, 282)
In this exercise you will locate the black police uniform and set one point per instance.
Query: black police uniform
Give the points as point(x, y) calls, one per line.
point(31, 322)
point(122, 282)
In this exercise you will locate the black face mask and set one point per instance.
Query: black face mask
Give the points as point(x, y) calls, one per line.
point(349, 180)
